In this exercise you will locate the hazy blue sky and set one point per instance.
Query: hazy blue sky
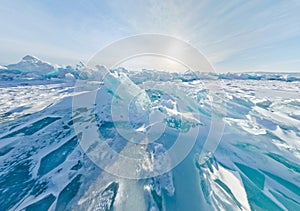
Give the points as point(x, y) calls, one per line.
point(262, 35)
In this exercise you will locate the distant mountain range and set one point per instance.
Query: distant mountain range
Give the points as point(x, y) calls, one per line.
point(32, 68)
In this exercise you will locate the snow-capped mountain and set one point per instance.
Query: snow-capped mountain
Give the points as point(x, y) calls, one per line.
point(33, 68)
point(32, 64)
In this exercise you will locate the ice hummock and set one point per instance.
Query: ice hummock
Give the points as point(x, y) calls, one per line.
point(256, 165)
point(32, 68)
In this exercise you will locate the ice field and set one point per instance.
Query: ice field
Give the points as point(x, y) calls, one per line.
point(254, 167)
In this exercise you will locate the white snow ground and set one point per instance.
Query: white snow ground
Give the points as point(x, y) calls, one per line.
point(255, 167)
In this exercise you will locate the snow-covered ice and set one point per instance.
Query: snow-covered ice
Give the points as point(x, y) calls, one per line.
point(255, 166)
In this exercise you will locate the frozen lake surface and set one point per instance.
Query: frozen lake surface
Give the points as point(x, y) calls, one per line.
point(256, 166)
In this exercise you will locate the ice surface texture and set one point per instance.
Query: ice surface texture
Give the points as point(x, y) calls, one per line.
point(256, 166)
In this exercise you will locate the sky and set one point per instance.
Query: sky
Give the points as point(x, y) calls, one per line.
point(234, 36)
